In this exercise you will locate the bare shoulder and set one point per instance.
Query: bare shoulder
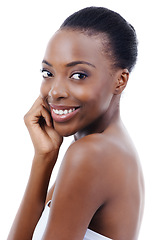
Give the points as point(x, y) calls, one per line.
point(90, 153)
point(78, 183)
point(84, 170)
point(106, 157)
point(103, 149)
point(88, 149)
point(100, 167)
point(84, 156)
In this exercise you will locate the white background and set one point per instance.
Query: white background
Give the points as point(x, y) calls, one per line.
point(26, 27)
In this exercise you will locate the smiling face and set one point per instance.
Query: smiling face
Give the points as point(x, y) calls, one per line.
point(78, 81)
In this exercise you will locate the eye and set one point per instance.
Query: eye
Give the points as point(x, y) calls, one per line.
point(46, 73)
point(78, 76)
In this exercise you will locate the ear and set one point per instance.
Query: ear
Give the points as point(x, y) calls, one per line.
point(121, 81)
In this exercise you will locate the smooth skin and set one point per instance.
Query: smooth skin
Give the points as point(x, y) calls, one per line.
point(100, 183)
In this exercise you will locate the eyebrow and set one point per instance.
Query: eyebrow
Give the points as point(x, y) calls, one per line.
point(44, 61)
point(72, 64)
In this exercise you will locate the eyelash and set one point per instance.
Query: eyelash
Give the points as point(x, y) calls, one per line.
point(46, 71)
point(80, 74)
point(49, 74)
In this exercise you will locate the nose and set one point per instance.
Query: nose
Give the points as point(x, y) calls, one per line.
point(58, 90)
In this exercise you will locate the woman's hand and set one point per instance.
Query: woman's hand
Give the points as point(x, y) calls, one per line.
point(45, 139)
point(46, 142)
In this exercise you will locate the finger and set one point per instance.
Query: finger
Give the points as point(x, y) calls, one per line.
point(42, 110)
point(45, 103)
point(38, 113)
point(46, 115)
point(38, 102)
point(54, 135)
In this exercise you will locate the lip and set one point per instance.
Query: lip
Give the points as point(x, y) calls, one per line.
point(64, 117)
point(62, 107)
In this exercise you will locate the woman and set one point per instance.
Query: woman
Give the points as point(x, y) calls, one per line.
point(98, 193)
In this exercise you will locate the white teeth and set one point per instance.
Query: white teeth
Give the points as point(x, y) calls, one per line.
point(60, 112)
point(63, 112)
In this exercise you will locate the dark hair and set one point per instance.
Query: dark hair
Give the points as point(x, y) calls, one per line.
point(121, 35)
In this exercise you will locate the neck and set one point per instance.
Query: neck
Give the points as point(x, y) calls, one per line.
point(110, 117)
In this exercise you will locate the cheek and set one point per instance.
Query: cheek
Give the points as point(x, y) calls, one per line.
point(85, 93)
point(94, 94)
point(99, 98)
point(94, 99)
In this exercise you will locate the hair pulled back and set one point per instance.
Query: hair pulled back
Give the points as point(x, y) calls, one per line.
point(121, 35)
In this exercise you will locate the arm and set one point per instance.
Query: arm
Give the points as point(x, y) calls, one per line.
point(46, 143)
point(78, 194)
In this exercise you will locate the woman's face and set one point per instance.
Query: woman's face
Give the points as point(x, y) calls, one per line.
point(78, 81)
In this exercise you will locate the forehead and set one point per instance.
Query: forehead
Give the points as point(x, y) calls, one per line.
point(69, 45)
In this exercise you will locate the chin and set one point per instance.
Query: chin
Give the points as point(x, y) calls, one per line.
point(64, 131)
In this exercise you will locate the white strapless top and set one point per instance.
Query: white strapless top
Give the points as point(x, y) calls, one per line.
point(40, 228)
